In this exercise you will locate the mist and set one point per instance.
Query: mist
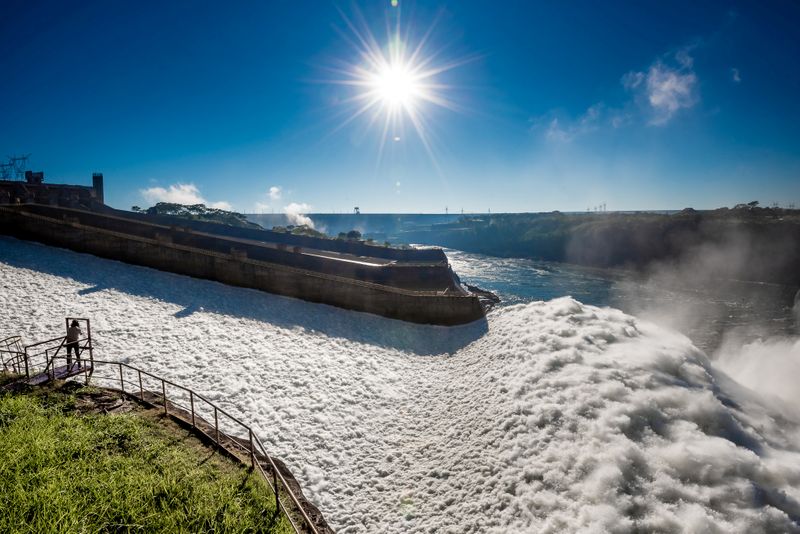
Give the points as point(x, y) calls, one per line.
point(295, 214)
point(695, 295)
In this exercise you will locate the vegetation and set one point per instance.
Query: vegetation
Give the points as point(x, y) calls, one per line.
point(753, 243)
point(198, 212)
point(300, 230)
point(352, 235)
point(64, 469)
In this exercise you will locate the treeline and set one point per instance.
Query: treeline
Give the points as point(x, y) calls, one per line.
point(746, 242)
point(198, 212)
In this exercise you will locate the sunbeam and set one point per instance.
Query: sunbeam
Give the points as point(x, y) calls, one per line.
point(394, 81)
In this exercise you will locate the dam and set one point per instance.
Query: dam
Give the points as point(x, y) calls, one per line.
point(407, 284)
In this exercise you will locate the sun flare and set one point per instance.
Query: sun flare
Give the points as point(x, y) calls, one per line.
point(396, 86)
point(395, 82)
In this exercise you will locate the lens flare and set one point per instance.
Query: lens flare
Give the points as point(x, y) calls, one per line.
point(395, 85)
point(394, 82)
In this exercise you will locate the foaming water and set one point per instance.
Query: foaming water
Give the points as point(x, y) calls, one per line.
point(704, 313)
point(556, 416)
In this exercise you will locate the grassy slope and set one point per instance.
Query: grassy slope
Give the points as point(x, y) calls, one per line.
point(62, 471)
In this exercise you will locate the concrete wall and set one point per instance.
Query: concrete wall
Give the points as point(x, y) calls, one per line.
point(428, 277)
point(161, 253)
point(337, 245)
point(71, 196)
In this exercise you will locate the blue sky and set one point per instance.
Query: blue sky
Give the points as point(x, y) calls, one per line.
point(641, 105)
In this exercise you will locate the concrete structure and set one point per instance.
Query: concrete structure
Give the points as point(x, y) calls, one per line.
point(410, 285)
point(35, 190)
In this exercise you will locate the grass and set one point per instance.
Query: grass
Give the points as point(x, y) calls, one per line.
point(62, 470)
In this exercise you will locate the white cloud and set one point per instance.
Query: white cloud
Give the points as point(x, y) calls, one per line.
point(668, 91)
point(180, 194)
point(221, 205)
point(667, 86)
point(564, 131)
point(735, 76)
point(177, 193)
point(632, 80)
point(295, 213)
point(665, 89)
point(270, 198)
point(683, 57)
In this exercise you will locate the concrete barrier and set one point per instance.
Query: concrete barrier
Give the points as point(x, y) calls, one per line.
point(166, 250)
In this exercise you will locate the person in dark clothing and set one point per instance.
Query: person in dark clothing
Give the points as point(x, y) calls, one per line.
point(73, 335)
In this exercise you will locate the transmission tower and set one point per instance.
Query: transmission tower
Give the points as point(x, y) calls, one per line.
point(14, 168)
point(6, 171)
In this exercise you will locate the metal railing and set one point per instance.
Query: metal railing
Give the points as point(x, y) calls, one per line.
point(12, 354)
point(184, 404)
point(192, 408)
point(40, 357)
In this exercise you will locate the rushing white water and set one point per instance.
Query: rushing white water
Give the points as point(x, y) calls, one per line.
point(550, 417)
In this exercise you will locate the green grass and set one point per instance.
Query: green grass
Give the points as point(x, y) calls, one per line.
point(64, 471)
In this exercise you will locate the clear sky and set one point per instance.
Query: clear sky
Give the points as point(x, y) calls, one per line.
point(555, 105)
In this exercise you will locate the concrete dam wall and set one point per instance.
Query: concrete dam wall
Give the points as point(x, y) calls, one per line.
point(419, 292)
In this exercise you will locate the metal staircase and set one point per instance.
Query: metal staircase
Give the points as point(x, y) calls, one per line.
point(48, 360)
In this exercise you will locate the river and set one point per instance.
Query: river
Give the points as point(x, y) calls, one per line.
point(706, 313)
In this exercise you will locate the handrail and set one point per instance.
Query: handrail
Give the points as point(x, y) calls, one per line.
point(41, 355)
point(251, 445)
point(254, 445)
point(61, 338)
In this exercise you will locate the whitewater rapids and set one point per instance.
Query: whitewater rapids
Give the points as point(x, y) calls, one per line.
point(550, 417)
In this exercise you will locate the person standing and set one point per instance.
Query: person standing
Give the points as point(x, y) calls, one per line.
point(73, 335)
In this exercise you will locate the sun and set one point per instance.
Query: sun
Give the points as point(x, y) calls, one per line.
point(396, 86)
point(396, 82)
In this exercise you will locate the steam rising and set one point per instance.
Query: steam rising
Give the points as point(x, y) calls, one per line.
point(712, 272)
point(294, 213)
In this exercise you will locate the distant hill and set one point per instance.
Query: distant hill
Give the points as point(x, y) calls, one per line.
point(746, 242)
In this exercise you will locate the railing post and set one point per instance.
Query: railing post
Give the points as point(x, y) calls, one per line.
point(216, 425)
point(141, 389)
point(252, 451)
point(275, 485)
point(164, 395)
point(27, 372)
point(121, 379)
point(89, 341)
point(191, 402)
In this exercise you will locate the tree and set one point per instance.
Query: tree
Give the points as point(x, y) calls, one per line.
point(137, 209)
point(353, 234)
point(200, 212)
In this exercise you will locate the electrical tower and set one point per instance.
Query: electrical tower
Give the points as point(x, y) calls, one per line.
point(16, 166)
point(20, 165)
